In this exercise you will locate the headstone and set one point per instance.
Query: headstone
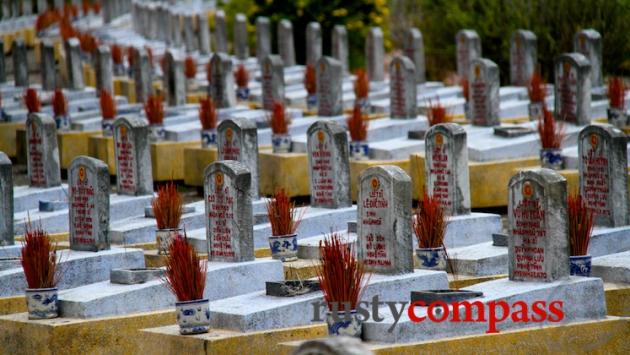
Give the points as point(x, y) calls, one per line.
point(329, 165)
point(538, 241)
point(176, 29)
point(384, 220)
point(286, 46)
point(572, 101)
point(238, 140)
point(263, 37)
point(142, 74)
point(589, 43)
point(329, 74)
point(446, 167)
point(48, 67)
point(222, 84)
point(174, 80)
point(190, 39)
point(313, 43)
point(88, 181)
point(3, 63)
point(133, 157)
point(20, 63)
point(483, 81)
point(375, 54)
point(104, 69)
point(73, 64)
point(523, 57)
point(340, 46)
point(6, 201)
point(602, 166)
point(272, 81)
point(220, 32)
point(402, 92)
point(229, 218)
point(468, 47)
point(42, 153)
point(241, 47)
point(203, 28)
point(413, 47)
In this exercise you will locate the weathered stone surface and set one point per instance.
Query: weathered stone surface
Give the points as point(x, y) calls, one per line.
point(88, 181)
point(135, 276)
point(588, 42)
point(523, 57)
point(203, 29)
point(402, 92)
point(483, 81)
point(241, 47)
point(174, 80)
point(222, 84)
point(229, 225)
point(538, 244)
point(384, 220)
point(613, 268)
point(133, 157)
point(20, 62)
point(238, 140)
point(190, 38)
point(272, 81)
point(342, 345)
point(468, 48)
point(413, 48)
point(340, 45)
point(329, 73)
point(313, 43)
point(375, 54)
point(6, 201)
point(446, 167)
point(602, 167)
point(329, 165)
point(74, 68)
point(104, 69)
point(263, 37)
point(42, 153)
point(572, 90)
point(286, 46)
point(220, 32)
point(48, 67)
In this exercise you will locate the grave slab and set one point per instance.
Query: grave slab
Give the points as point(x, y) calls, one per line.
point(223, 279)
point(612, 268)
point(78, 268)
point(27, 198)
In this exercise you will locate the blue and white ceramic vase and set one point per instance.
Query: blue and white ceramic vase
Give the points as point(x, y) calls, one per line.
point(281, 143)
point(63, 123)
point(617, 118)
point(208, 138)
point(346, 324)
point(193, 316)
point(359, 150)
point(551, 158)
point(364, 103)
point(108, 128)
point(311, 102)
point(284, 247)
point(580, 265)
point(242, 93)
point(432, 258)
point(157, 132)
point(42, 303)
point(535, 111)
point(163, 238)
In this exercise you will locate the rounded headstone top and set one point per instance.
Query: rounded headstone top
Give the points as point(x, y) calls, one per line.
point(452, 128)
point(132, 121)
point(527, 34)
point(330, 126)
point(578, 59)
point(376, 31)
point(231, 167)
point(393, 171)
point(262, 20)
point(239, 122)
point(467, 33)
point(406, 63)
point(4, 159)
point(612, 131)
point(541, 175)
point(41, 118)
point(313, 26)
point(487, 63)
point(89, 161)
point(590, 32)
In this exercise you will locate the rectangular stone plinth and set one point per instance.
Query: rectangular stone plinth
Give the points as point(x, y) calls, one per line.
point(77, 268)
point(257, 311)
point(222, 280)
point(583, 300)
point(27, 198)
point(612, 268)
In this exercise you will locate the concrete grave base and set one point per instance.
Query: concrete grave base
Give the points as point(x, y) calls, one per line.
point(485, 259)
point(77, 268)
point(583, 299)
point(27, 198)
point(612, 268)
point(470, 229)
point(120, 207)
point(11, 251)
point(257, 311)
point(108, 299)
